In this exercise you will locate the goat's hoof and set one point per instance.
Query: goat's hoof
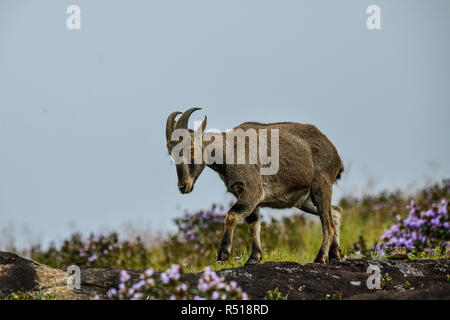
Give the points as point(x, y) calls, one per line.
point(222, 255)
point(321, 260)
point(252, 261)
point(334, 260)
point(334, 257)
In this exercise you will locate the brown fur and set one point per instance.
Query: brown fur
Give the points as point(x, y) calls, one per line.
point(308, 166)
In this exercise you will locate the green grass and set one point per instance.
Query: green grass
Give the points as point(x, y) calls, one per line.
point(24, 295)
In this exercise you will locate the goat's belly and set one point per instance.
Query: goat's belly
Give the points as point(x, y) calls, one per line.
point(282, 200)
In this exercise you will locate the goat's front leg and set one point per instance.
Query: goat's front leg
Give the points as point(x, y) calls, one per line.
point(245, 205)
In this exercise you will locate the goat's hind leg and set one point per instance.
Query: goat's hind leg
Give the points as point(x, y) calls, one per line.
point(253, 220)
point(335, 249)
point(321, 197)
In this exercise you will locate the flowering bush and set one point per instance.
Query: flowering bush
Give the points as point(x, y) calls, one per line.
point(147, 287)
point(421, 230)
point(201, 227)
point(392, 203)
point(169, 285)
point(211, 286)
point(98, 251)
point(382, 216)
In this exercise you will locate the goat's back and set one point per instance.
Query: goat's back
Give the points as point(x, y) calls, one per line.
point(296, 139)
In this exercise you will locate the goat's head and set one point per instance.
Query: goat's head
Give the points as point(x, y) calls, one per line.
point(187, 170)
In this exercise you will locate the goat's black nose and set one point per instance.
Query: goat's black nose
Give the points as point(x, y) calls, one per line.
point(182, 188)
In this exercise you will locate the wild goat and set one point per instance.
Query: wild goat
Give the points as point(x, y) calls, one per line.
point(308, 166)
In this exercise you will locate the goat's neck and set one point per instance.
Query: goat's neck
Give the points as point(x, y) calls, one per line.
point(220, 168)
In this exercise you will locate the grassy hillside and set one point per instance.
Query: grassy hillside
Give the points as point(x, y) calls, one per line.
point(382, 224)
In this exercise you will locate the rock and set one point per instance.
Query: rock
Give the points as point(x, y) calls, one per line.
point(345, 279)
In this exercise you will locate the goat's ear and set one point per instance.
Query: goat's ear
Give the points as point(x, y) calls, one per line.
point(204, 124)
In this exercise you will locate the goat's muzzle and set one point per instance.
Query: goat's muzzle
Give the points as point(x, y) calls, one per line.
point(185, 188)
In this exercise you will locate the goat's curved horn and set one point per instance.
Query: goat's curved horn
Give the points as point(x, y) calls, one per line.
point(170, 125)
point(204, 124)
point(182, 123)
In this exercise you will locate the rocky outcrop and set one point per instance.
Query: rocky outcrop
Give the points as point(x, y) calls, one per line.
point(407, 279)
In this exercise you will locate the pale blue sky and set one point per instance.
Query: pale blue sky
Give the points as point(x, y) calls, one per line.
point(82, 113)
